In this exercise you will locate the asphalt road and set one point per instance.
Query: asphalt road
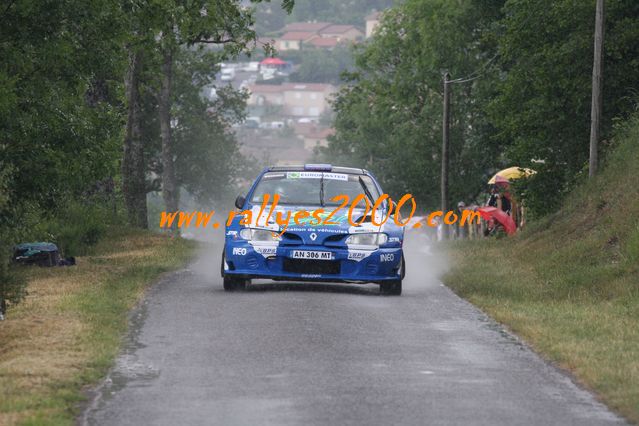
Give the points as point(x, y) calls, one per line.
point(292, 354)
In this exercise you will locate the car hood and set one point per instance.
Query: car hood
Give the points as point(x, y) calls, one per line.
point(307, 230)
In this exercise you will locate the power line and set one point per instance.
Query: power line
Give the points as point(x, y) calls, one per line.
point(474, 75)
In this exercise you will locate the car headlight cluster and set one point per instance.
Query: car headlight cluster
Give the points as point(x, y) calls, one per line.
point(259, 235)
point(367, 239)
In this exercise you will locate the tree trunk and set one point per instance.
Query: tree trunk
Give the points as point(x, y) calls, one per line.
point(169, 184)
point(133, 166)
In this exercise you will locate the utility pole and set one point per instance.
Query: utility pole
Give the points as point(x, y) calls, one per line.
point(597, 82)
point(445, 158)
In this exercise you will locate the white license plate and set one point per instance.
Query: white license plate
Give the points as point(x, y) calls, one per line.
point(308, 254)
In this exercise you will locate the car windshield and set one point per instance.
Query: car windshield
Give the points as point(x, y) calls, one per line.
point(304, 188)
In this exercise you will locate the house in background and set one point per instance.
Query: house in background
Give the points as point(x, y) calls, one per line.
point(321, 35)
point(314, 136)
point(306, 99)
point(293, 40)
point(296, 99)
point(341, 32)
point(324, 42)
point(265, 95)
point(372, 21)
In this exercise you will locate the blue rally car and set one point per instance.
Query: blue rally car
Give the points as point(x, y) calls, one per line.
point(270, 239)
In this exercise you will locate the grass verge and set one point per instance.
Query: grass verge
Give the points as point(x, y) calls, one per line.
point(569, 285)
point(67, 332)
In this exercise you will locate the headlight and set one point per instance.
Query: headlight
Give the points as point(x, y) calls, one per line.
point(368, 239)
point(262, 235)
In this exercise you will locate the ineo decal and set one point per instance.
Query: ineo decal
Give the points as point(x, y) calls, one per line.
point(389, 257)
point(239, 251)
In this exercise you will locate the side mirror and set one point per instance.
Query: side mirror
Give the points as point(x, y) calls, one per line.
point(239, 201)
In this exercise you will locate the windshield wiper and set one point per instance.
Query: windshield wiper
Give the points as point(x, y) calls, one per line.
point(367, 192)
point(321, 194)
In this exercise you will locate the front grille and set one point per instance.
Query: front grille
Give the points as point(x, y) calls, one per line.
point(291, 239)
point(310, 266)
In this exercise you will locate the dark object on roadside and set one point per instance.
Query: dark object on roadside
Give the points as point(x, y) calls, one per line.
point(41, 254)
point(67, 261)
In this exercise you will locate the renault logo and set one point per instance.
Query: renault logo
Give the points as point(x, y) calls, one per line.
point(313, 236)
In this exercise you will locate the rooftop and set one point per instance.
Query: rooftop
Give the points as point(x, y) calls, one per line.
point(311, 87)
point(334, 169)
point(320, 134)
point(305, 26)
point(337, 29)
point(297, 35)
point(265, 88)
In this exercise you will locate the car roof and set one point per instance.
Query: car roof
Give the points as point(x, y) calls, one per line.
point(334, 169)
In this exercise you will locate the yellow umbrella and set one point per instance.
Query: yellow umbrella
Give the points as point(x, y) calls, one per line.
point(511, 173)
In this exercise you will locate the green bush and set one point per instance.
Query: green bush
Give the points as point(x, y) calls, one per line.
point(540, 192)
point(75, 227)
point(12, 285)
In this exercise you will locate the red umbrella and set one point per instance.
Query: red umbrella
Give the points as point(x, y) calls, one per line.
point(273, 61)
point(500, 216)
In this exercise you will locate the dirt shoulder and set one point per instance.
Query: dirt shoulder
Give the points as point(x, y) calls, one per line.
point(67, 332)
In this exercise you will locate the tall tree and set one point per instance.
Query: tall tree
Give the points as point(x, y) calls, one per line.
point(133, 164)
point(169, 185)
point(542, 111)
point(389, 113)
point(59, 78)
point(207, 159)
point(60, 118)
point(170, 26)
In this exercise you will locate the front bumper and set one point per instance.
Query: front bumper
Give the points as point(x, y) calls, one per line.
point(244, 260)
